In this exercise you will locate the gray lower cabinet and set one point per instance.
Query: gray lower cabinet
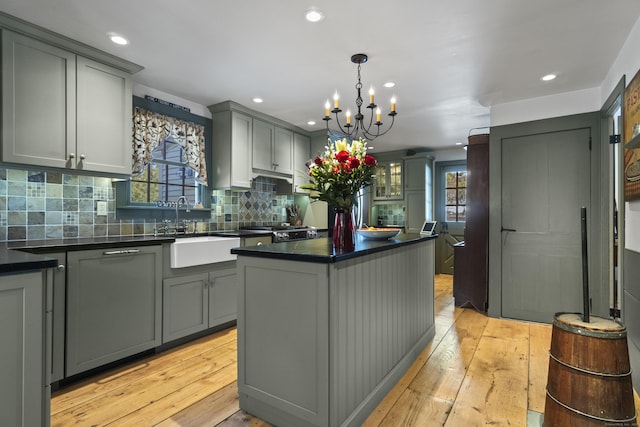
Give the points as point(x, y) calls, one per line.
point(59, 282)
point(114, 305)
point(223, 296)
point(24, 391)
point(195, 302)
point(184, 306)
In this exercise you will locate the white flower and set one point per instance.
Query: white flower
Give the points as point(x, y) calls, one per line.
point(342, 145)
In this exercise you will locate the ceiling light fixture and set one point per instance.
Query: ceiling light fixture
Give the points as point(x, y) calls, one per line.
point(257, 100)
point(311, 123)
point(359, 129)
point(548, 77)
point(389, 84)
point(117, 39)
point(314, 15)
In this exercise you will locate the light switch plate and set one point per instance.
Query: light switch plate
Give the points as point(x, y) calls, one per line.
point(101, 208)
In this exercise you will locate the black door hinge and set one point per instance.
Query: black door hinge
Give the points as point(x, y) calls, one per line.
point(614, 312)
point(615, 139)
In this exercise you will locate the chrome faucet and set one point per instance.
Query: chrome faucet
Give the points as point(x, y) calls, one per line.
point(181, 198)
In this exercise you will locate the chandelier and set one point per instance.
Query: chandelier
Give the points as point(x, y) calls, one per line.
point(359, 128)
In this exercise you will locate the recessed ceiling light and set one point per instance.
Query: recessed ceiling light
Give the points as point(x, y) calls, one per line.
point(458, 143)
point(548, 77)
point(389, 84)
point(118, 39)
point(311, 123)
point(314, 15)
point(257, 100)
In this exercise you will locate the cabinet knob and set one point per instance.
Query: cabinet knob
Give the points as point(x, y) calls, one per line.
point(72, 155)
point(81, 156)
point(60, 267)
point(259, 244)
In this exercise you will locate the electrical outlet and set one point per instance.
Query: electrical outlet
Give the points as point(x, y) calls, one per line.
point(101, 208)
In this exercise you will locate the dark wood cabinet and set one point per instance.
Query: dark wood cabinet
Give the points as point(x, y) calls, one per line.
point(471, 260)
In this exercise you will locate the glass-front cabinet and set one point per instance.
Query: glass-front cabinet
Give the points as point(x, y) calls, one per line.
point(388, 181)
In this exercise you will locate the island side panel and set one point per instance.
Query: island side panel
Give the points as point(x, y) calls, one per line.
point(283, 341)
point(382, 316)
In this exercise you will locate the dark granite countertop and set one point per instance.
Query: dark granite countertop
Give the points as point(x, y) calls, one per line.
point(240, 233)
point(23, 255)
point(79, 244)
point(321, 250)
point(18, 261)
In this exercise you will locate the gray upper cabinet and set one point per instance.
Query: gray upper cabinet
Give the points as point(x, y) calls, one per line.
point(301, 153)
point(272, 148)
point(103, 99)
point(247, 144)
point(38, 102)
point(231, 156)
point(62, 110)
point(415, 169)
point(263, 136)
point(388, 181)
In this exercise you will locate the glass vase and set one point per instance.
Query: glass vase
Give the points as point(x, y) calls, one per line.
point(343, 231)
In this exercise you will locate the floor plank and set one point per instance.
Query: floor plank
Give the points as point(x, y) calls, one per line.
point(539, 342)
point(494, 391)
point(476, 371)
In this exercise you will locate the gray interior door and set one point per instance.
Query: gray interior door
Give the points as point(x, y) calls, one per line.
point(545, 181)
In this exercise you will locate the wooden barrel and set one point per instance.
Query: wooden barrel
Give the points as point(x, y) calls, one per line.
point(589, 380)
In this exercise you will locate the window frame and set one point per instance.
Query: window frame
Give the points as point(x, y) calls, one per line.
point(125, 209)
point(441, 168)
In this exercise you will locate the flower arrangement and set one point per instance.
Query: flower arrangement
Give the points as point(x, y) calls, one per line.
point(340, 172)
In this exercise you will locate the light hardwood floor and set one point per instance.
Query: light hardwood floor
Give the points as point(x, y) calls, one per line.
point(476, 371)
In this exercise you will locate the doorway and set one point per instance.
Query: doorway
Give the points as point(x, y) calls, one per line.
point(450, 214)
point(543, 173)
point(545, 182)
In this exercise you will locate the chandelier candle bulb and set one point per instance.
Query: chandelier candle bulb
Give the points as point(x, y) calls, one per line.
point(326, 108)
point(360, 130)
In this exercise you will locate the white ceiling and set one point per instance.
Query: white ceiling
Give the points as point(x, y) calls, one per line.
point(451, 60)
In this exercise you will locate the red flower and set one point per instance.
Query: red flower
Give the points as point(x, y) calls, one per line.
point(369, 160)
point(317, 161)
point(354, 162)
point(342, 156)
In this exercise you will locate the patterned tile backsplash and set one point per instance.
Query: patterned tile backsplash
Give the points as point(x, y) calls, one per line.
point(37, 205)
point(390, 214)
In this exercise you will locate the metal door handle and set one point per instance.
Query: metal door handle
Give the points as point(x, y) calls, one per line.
point(508, 229)
point(122, 252)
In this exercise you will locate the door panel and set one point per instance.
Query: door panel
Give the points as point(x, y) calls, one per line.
point(446, 242)
point(545, 182)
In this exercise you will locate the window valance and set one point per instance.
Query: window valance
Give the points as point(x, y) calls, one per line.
point(150, 129)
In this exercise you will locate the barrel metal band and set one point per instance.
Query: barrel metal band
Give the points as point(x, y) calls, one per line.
point(590, 333)
point(594, 417)
point(586, 371)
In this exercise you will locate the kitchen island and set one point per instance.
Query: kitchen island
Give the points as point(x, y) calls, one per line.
point(323, 337)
